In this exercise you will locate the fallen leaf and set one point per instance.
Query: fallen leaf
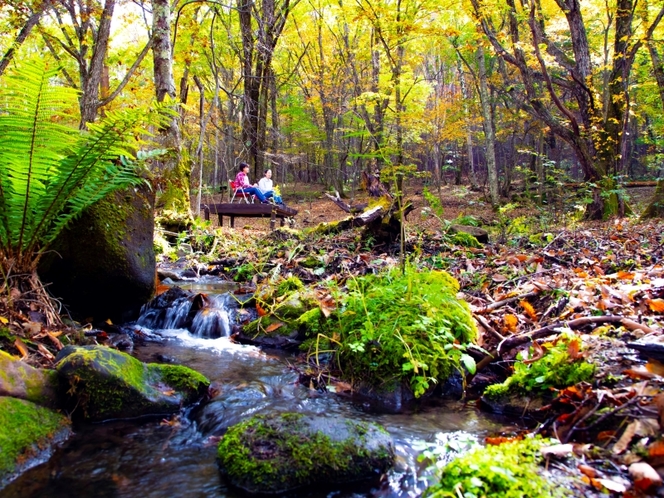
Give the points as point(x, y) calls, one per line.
point(639, 372)
point(625, 275)
point(558, 450)
point(656, 449)
point(611, 485)
point(659, 403)
point(3, 320)
point(656, 305)
point(273, 326)
point(626, 438)
point(260, 310)
point(644, 476)
point(169, 392)
point(32, 328)
point(497, 277)
point(528, 308)
point(656, 367)
point(510, 322)
point(587, 470)
point(20, 345)
point(498, 440)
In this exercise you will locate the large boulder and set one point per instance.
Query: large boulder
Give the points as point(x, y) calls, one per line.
point(20, 380)
point(106, 384)
point(103, 265)
point(277, 453)
point(28, 434)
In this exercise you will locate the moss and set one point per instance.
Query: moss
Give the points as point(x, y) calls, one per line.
point(287, 285)
point(181, 378)
point(555, 369)
point(466, 240)
point(280, 452)
point(109, 383)
point(509, 470)
point(25, 428)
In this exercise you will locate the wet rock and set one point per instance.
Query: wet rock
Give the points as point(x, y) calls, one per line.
point(480, 234)
point(651, 346)
point(105, 384)
point(28, 435)
point(514, 404)
point(20, 380)
point(103, 265)
point(278, 453)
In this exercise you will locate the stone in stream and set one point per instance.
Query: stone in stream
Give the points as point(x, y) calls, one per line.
point(28, 434)
point(20, 380)
point(278, 453)
point(105, 384)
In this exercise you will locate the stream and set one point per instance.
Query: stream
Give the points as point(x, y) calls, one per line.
point(176, 457)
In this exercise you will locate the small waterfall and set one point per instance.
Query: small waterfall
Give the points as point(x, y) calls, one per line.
point(206, 316)
point(210, 323)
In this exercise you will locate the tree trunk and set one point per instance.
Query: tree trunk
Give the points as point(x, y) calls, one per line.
point(173, 169)
point(23, 34)
point(656, 207)
point(489, 135)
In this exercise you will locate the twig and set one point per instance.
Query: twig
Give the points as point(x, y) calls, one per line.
point(503, 302)
point(485, 324)
point(517, 340)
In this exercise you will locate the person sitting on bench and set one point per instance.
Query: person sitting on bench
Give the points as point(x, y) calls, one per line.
point(242, 181)
point(265, 186)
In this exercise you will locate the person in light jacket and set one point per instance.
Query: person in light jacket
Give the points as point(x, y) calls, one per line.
point(265, 186)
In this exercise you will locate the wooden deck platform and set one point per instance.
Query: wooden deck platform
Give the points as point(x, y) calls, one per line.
point(243, 210)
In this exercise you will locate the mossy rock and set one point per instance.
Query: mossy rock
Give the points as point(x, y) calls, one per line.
point(278, 453)
point(515, 404)
point(28, 433)
point(480, 235)
point(105, 384)
point(103, 265)
point(20, 380)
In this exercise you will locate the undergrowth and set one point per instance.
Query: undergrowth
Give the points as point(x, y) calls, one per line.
point(561, 365)
point(395, 327)
point(509, 470)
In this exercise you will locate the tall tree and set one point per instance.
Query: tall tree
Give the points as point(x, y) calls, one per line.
point(597, 137)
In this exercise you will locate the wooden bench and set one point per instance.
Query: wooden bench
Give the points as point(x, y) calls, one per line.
point(237, 210)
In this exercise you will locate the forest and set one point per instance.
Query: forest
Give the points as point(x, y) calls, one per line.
point(464, 297)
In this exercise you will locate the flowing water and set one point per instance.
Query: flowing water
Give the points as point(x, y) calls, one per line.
point(175, 457)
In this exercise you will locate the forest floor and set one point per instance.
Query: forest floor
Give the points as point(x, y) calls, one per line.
point(543, 272)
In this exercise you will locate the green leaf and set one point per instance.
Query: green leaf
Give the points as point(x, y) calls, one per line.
point(469, 362)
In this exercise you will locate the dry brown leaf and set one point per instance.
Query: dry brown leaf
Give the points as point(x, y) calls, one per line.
point(32, 328)
point(20, 345)
point(659, 403)
point(644, 476)
point(639, 372)
point(656, 305)
point(626, 438)
point(625, 275)
point(656, 367)
point(497, 277)
point(45, 352)
point(587, 470)
point(656, 449)
point(529, 310)
point(510, 322)
point(611, 485)
point(274, 326)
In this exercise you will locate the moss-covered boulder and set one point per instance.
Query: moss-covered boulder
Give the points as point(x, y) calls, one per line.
point(275, 454)
point(28, 433)
point(20, 380)
point(103, 384)
point(480, 235)
point(286, 309)
point(103, 265)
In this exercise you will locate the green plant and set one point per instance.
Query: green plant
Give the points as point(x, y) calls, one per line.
point(52, 172)
point(560, 366)
point(509, 470)
point(397, 327)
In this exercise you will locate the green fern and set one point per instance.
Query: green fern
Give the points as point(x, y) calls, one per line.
point(51, 172)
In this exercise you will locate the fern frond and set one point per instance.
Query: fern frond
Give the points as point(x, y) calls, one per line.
point(32, 144)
